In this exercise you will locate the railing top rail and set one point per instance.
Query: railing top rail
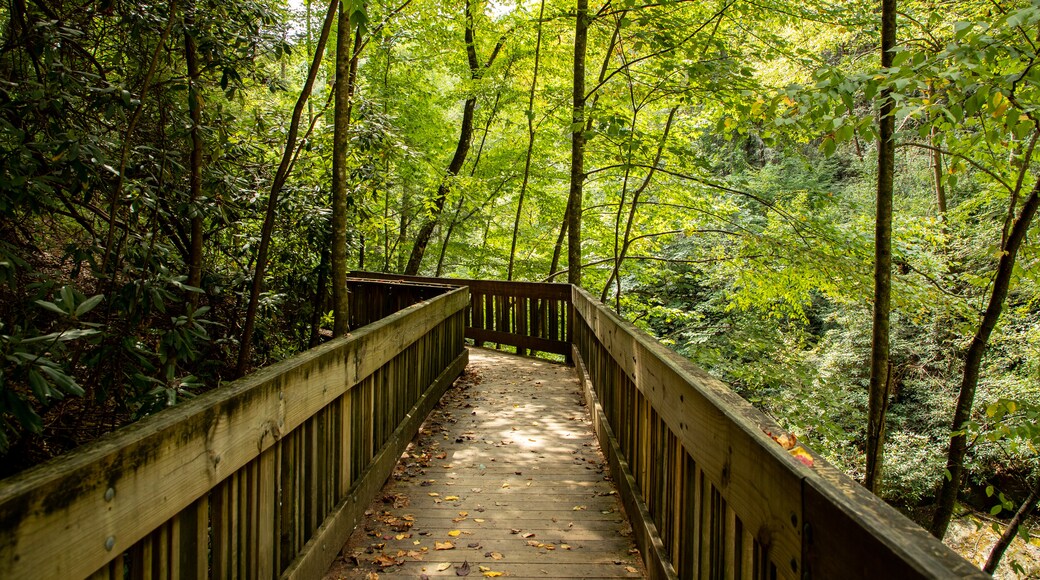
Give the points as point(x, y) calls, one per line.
point(553, 290)
point(113, 491)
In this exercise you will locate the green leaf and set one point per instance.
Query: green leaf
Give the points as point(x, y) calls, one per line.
point(89, 304)
point(63, 380)
point(995, 509)
point(52, 307)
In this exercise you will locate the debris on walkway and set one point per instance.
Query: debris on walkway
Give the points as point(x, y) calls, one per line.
point(505, 479)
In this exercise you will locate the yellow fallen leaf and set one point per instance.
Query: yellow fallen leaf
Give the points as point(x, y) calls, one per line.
point(443, 566)
point(505, 485)
point(443, 546)
point(417, 542)
point(631, 570)
point(451, 498)
point(578, 508)
point(433, 494)
point(493, 574)
point(483, 568)
point(478, 520)
point(454, 533)
point(496, 556)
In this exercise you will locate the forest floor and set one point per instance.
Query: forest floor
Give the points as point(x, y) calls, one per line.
point(504, 479)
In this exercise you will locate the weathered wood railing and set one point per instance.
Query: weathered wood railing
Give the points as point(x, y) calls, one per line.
point(262, 478)
point(710, 494)
point(530, 316)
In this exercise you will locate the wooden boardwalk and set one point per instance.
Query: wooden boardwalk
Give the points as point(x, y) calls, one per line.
point(505, 479)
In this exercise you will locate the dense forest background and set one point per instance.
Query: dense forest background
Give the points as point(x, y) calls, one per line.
point(185, 184)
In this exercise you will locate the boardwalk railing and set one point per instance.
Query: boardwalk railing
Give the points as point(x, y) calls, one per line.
point(709, 493)
point(262, 478)
point(530, 316)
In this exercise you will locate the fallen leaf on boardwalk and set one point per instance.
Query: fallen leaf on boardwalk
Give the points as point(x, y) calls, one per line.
point(443, 546)
point(462, 570)
point(372, 576)
point(383, 560)
point(441, 456)
point(454, 533)
point(494, 555)
point(505, 485)
point(493, 574)
point(534, 543)
point(451, 498)
point(527, 535)
point(631, 570)
point(578, 508)
point(443, 566)
point(433, 494)
point(514, 531)
point(478, 520)
point(802, 455)
point(418, 556)
point(402, 536)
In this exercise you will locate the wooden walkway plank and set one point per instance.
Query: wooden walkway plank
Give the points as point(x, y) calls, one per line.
point(506, 478)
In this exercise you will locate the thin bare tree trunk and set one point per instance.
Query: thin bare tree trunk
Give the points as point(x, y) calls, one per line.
point(880, 371)
point(530, 143)
point(422, 238)
point(615, 273)
point(280, 177)
point(951, 483)
point(195, 159)
point(346, 68)
point(574, 199)
point(1011, 531)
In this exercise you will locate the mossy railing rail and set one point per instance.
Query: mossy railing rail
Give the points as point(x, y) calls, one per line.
point(262, 478)
point(709, 492)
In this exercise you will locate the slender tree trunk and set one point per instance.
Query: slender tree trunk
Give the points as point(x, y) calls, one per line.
point(281, 175)
point(319, 298)
point(124, 154)
point(574, 199)
point(615, 273)
point(1011, 531)
point(879, 350)
point(345, 68)
point(958, 448)
point(554, 265)
point(530, 143)
point(422, 238)
point(195, 159)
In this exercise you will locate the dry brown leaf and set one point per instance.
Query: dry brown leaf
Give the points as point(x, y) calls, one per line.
point(443, 566)
point(631, 570)
point(443, 546)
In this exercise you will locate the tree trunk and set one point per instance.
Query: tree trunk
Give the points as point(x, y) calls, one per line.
point(345, 70)
point(1011, 531)
point(958, 448)
point(422, 238)
point(574, 199)
point(319, 298)
point(281, 175)
point(195, 159)
point(615, 273)
point(880, 371)
point(530, 143)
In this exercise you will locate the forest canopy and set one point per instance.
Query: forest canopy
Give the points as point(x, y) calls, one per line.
point(185, 185)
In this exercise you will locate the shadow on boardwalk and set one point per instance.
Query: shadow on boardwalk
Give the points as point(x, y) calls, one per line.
point(505, 479)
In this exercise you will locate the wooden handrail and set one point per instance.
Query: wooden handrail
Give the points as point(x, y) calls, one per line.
point(531, 316)
point(711, 495)
point(260, 478)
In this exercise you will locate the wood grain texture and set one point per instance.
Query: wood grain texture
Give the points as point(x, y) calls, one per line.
point(69, 517)
point(506, 469)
